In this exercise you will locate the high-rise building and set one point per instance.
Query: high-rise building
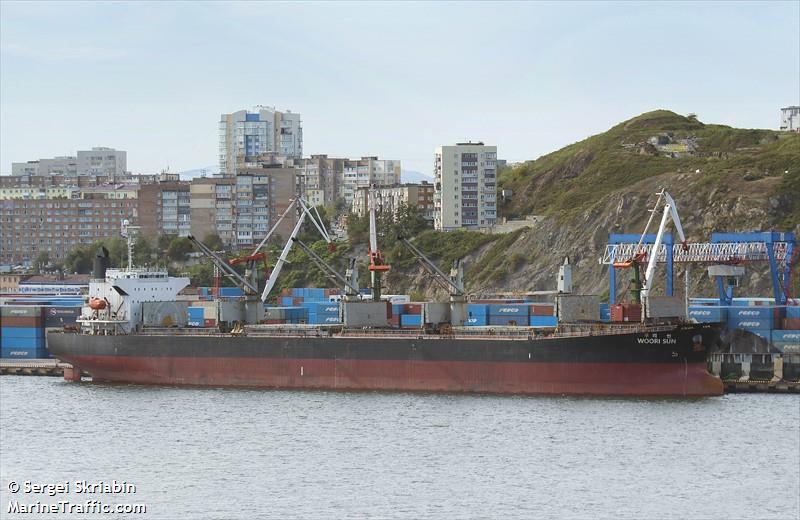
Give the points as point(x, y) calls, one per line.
point(164, 209)
point(212, 207)
point(262, 195)
point(365, 172)
point(465, 186)
point(790, 119)
point(102, 161)
point(265, 130)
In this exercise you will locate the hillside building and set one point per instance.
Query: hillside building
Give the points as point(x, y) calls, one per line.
point(392, 198)
point(790, 119)
point(465, 177)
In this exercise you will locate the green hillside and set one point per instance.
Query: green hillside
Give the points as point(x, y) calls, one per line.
point(579, 175)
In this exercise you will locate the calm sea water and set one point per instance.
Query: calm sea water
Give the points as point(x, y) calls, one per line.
point(216, 453)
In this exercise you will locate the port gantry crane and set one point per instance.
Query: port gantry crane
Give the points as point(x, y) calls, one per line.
point(454, 283)
point(726, 253)
point(377, 266)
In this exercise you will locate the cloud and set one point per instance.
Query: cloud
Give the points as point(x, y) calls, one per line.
point(80, 53)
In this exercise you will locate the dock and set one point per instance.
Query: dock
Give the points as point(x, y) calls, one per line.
point(33, 367)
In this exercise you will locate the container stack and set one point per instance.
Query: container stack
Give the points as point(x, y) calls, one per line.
point(323, 313)
point(778, 325)
point(22, 334)
point(626, 312)
point(509, 314)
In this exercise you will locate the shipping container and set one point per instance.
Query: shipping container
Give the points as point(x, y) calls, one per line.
point(477, 321)
point(518, 310)
point(24, 353)
point(788, 337)
point(195, 317)
point(760, 313)
point(543, 321)
point(23, 332)
point(410, 320)
point(543, 309)
point(793, 311)
point(622, 312)
point(791, 323)
point(708, 314)
point(605, 312)
point(20, 342)
point(22, 321)
point(230, 292)
point(412, 308)
point(509, 321)
point(60, 316)
point(19, 311)
point(747, 323)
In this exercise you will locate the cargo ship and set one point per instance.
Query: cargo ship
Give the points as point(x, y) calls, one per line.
point(629, 360)
point(132, 331)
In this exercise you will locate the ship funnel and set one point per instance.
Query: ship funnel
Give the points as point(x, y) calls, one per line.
point(101, 263)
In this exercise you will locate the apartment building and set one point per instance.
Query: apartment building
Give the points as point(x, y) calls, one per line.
point(165, 209)
point(391, 199)
point(64, 165)
point(262, 195)
point(265, 130)
point(103, 161)
point(365, 172)
point(28, 227)
point(211, 207)
point(465, 193)
point(322, 174)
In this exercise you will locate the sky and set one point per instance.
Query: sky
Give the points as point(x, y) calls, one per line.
point(388, 79)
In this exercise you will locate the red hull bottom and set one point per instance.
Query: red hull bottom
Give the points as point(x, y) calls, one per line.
point(640, 379)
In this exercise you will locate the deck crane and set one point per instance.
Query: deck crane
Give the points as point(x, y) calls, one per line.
point(349, 281)
point(640, 289)
point(454, 282)
point(377, 266)
point(305, 210)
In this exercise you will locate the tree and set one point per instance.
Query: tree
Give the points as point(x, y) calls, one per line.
point(178, 248)
point(214, 242)
point(79, 260)
point(42, 259)
point(142, 251)
point(163, 243)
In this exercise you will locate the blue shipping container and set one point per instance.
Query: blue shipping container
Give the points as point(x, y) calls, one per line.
point(510, 309)
point(793, 311)
point(760, 313)
point(230, 292)
point(508, 320)
point(750, 324)
point(543, 321)
point(24, 353)
point(708, 314)
point(786, 337)
point(478, 310)
point(410, 320)
point(323, 319)
point(481, 321)
point(22, 332)
point(9, 342)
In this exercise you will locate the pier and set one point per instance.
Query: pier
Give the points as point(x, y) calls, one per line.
point(757, 372)
point(33, 367)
